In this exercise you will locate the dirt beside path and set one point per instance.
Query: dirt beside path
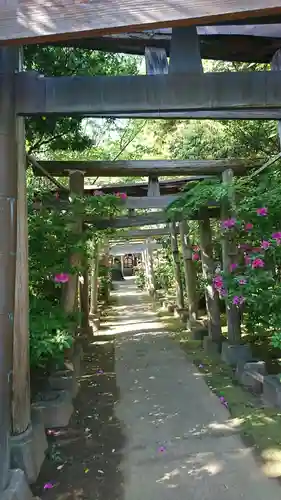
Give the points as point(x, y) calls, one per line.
point(84, 459)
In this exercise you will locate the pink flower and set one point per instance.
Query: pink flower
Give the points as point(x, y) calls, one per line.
point(249, 226)
point(233, 266)
point(242, 281)
point(218, 282)
point(265, 244)
point(223, 292)
point(195, 256)
point(257, 263)
point(237, 301)
point(228, 223)
point(61, 278)
point(98, 193)
point(262, 212)
point(196, 248)
point(123, 196)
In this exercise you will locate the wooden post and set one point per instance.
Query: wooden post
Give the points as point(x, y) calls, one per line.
point(229, 256)
point(150, 268)
point(76, 185)
point(153, 186)
point(212, 297)
point(276, 66)
point(177, 267)
point(21, 417)
point(153, 190)
point(190, 272)
point(95, 280)
point(185, 51)
point(156, 64)
point(105, 263)
point(9, 64)
point(84, 299)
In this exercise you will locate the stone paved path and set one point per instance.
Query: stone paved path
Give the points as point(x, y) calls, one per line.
point(179, 441)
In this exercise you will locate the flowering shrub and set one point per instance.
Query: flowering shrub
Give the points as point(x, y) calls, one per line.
point(51, 242)
point(253, 281)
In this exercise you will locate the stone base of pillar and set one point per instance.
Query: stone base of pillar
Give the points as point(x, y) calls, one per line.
point(272, 390)
point(233, 354)
point(28, 449)
point(212, 347)
point(17, 488)
point(198, 333)
point(64, 380)
point(56, 408)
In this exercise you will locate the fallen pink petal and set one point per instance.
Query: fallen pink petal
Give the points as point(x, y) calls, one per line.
point(48, 486)
point(161, 449)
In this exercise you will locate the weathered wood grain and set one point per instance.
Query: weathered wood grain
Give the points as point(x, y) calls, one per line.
point(152, 218)
point(35, 20)
point(143, 168)
point(142, 234)
point(110, 96)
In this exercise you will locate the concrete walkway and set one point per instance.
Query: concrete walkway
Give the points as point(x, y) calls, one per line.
point(180, 443)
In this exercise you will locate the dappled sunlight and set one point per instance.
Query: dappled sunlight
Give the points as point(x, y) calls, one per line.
point(211, 468)
point(272, 462)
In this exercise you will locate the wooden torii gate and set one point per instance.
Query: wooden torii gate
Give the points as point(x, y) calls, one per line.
point(186, 92)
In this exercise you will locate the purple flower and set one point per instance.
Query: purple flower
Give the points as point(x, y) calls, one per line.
point(276, 236)
point(265, 244)
point(262, 212)
point(228, 223)
point(238, 300)
point(233, 266)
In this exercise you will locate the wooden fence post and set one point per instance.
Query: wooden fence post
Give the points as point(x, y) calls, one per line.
point(229, 256)
point(95, 280)
point(190, 272)
point(76, 185)
point(21, 371)
point(177, 267)
point(212, 297)
point(9, 64)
